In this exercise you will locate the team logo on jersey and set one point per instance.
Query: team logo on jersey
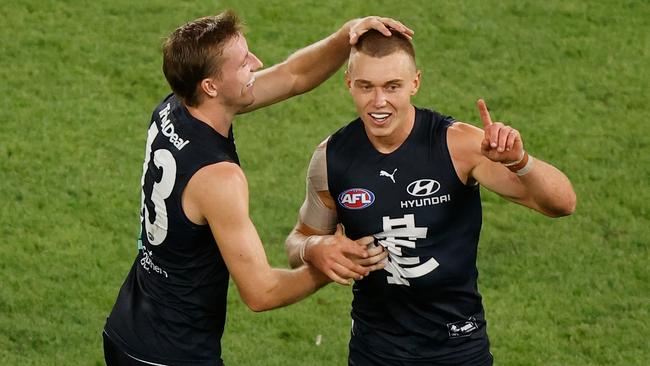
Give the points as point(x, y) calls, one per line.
point(356, 198)
point(423, 187)
point(402, 233)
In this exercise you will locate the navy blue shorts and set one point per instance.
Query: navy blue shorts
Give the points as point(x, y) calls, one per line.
point(115, 357)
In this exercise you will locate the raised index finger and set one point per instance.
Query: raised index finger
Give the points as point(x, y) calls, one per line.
point(485, 114)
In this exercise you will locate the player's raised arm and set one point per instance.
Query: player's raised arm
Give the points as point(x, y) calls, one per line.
point(260, 286)
point(497, 159)
point(310, 66)
point(317, 240)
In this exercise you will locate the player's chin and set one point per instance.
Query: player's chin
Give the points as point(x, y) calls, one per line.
point(247, 100)
point(379, 131)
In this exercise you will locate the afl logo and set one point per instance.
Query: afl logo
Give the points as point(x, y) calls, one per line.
point(356, 198)
point(423, 187)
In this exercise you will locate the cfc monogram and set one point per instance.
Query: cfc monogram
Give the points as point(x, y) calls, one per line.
point(402, 233)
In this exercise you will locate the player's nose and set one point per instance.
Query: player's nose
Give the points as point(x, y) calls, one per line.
point(257, 63)
point(379, 99)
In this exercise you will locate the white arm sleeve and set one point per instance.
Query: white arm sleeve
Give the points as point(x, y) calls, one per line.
point(313, 212)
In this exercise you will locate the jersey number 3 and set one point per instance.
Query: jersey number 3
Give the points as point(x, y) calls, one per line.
point(157, 184)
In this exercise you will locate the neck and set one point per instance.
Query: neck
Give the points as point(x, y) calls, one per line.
point(214, 115)
point(390, 143)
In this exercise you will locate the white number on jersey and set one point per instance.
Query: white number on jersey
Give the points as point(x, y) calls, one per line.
point(163, 159)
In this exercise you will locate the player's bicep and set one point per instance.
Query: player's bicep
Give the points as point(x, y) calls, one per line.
point(318, 211)
point(225, 207)
point(464, 141)
point(315, 214)
point(500, 180)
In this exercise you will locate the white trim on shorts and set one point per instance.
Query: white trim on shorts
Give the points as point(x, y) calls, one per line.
point(137, 359)
point(147, 362)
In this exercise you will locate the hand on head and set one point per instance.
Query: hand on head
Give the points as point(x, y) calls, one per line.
point(383, 25)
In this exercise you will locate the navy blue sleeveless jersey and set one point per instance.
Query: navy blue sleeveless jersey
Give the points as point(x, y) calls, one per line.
point(171, 309)
point(425, 305)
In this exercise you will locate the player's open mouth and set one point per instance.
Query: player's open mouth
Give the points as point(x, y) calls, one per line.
point(250, 83)
point(379, 118)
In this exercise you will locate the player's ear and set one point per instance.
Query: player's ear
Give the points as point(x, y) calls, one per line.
point(416, 83)
point(209, 87)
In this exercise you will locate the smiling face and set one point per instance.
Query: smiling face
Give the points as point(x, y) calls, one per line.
point(381, 88)
point(234, 86)
point(194, 53)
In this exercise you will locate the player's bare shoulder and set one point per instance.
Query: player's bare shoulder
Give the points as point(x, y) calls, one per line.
point(317, 172)
point(464, 131)
point(464, 143)
point(203, 195)
point(225, 172)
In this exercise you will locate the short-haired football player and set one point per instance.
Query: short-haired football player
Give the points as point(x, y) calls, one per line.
point(410, 177)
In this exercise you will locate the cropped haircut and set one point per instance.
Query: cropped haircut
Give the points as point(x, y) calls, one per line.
point(375, 44)
point(194, 52)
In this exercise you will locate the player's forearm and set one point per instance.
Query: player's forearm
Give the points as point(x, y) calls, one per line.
point(300, 243)
point(285, 287)
point(550, 189)
point(314, 64)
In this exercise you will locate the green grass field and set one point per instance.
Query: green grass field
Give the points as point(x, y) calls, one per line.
point(78, 82)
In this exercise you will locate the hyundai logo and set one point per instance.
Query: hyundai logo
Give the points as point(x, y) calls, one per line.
point(423, 187)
